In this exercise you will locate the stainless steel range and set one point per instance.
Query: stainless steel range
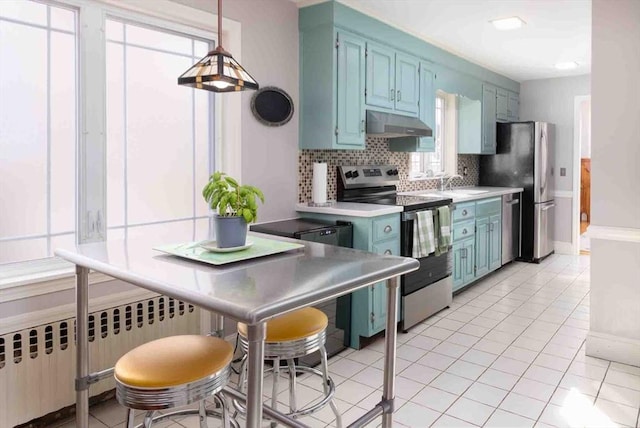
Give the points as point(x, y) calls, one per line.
point(429, 289)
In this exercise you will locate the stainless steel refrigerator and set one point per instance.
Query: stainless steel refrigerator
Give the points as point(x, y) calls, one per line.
point(524, 158)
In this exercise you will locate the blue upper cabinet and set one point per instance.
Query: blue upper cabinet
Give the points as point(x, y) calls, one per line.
point(332, 78)
point(381, 76)
point(392, 80)
point(469, 125)
point(502, 108)
point(513, 107)
point(407, 85)
point(473, 137)
point(350, 62)
point(427, 109)
point(489, 106)
point(508, 106)
point(350, 130)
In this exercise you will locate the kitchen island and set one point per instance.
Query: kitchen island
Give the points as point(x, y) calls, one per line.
point(251, 292)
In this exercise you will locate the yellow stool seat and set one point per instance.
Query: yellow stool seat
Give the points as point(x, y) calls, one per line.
point(172, 361)
point(293, 326)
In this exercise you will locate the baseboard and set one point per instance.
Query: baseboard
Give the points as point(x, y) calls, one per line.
point(562, 247)
point(613, 348)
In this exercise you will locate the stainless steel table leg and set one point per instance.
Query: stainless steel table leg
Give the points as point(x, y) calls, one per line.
point(389, 385)
point(82, 346)
point(255, 363)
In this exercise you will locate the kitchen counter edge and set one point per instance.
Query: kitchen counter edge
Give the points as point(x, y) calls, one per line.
point(492, 192)
point(351, 209)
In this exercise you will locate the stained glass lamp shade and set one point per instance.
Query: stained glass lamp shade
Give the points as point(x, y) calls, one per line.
point(218, 71)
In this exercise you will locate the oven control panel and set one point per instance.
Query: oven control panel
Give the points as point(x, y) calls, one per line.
point(354, 176)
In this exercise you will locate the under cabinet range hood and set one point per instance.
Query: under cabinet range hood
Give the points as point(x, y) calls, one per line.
point(391, 125)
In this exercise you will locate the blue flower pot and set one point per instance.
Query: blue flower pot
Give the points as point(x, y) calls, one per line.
point(230, 231)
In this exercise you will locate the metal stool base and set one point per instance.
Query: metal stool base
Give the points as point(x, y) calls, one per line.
point(277, 351)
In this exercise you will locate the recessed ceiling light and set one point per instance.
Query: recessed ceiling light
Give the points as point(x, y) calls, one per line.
point(569, 65)
point(508, 23)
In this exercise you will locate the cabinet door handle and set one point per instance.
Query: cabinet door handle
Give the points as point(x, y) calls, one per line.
point(392, 95)
point(387, 252)
point(464, 231)
point(387, 229)
point(464, 212)
point(362, 126)
point(399, 95)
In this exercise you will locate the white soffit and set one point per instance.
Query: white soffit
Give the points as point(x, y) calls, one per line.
point(555, 31)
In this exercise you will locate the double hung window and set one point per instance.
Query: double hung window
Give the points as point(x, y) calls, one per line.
point(80, 113)
point(432, 164)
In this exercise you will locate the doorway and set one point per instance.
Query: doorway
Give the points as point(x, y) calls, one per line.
point(582, 174)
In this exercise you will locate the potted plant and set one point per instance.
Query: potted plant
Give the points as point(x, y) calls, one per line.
point(236, 205)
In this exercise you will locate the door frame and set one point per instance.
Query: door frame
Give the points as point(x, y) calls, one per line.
point(577, 149)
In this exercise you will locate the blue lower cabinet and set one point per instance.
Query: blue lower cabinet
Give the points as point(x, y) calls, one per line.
point(379, 235)
point(477, 240)
point(463, 262)
point(379, 305)
point(495, 242)
point(482, 246)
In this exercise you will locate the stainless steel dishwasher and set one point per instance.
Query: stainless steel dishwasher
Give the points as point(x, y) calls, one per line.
point(511, 224)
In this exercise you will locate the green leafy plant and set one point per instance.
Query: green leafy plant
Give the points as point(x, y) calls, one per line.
point(228, 198)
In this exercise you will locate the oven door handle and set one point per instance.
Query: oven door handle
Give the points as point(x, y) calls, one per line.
point(412, 215)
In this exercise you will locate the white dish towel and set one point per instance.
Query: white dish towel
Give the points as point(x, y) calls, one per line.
point(424, 242)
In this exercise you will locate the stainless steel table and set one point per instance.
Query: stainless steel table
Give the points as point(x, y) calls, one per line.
point(251, 292)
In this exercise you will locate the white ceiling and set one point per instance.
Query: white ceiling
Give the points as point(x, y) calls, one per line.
point(555, 31)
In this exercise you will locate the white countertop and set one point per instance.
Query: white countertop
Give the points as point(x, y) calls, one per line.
point(458, 193)
point(351, 209)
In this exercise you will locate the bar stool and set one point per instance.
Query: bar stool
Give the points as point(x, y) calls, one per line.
point(172, 372)
point(291, 336)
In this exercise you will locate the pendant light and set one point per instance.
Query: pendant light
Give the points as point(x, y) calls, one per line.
point(218, 71)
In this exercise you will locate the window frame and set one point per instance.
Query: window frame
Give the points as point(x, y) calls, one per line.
point(448, 143)
point(31, 278)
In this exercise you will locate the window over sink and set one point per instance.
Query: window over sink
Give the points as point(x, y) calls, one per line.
point(443, 161)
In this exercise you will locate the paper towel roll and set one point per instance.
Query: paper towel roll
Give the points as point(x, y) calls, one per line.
point(319, 184)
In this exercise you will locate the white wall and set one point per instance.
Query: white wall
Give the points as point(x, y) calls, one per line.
point(269, 31)
point(552, 100)
point(615, 150)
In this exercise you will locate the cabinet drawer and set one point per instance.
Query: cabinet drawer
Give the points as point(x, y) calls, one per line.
point(488, 206)
point(386, 227)
point(465, 211)
point(388, 247)
point(463, 230)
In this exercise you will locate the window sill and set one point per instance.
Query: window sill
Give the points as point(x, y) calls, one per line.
point(418, 178)
point(34, 278)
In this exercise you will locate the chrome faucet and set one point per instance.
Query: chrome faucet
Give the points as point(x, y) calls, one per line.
point(444, 184)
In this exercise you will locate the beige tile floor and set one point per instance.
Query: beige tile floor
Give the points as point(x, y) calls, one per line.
point(508, 353)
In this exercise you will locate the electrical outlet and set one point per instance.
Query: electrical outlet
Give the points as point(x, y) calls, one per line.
point(563, 172)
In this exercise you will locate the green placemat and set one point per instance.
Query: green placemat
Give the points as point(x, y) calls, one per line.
point(261, 247)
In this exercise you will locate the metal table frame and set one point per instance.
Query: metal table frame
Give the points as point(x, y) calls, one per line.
point(256, 337)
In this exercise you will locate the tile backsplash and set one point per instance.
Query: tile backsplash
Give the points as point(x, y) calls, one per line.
point(376, 152)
